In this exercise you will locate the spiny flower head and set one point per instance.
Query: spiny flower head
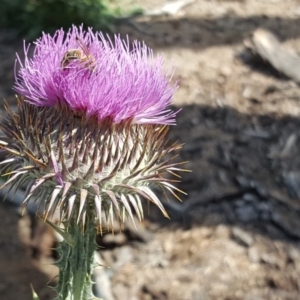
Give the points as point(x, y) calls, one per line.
point(89, 137)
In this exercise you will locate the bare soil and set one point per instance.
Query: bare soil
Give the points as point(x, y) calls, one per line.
point(237, 233)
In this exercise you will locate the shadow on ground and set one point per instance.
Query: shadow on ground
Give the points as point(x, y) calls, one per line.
point(245, 172)
point(200, 33)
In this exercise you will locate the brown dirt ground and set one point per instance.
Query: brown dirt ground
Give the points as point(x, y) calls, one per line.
point(237, 233)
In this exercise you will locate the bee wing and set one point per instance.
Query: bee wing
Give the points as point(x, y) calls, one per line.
point(83, 46)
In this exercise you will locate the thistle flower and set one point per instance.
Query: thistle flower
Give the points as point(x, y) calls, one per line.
point(97, 77)
point(89, 133)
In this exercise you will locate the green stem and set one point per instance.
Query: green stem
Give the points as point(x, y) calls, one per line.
point(76, 262)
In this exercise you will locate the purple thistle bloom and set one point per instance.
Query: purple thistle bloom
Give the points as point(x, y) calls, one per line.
point(89, 139)
point(97, 77)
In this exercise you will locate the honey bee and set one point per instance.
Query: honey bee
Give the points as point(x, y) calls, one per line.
point(81, 54)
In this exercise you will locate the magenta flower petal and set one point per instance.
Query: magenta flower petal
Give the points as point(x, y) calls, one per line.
point(111, 79)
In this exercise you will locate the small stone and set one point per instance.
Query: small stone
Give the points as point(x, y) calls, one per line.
point(294, 254)
point(250, 197)
point(123, 256)
point(246, 213)
point(242, 237)
point(270, 259)
point(253, 254)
